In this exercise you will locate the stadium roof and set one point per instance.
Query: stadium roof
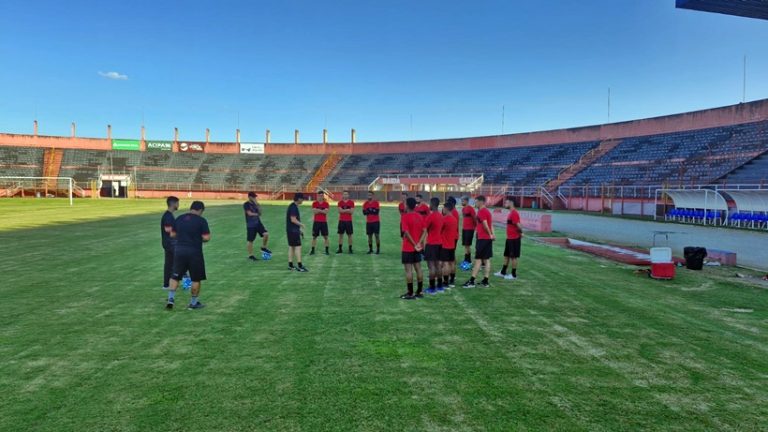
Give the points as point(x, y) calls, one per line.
point(745, 8)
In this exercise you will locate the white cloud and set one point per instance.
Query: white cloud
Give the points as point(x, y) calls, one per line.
point(113, 75)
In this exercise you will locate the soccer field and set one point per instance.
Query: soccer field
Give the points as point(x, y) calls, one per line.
point(576, 343)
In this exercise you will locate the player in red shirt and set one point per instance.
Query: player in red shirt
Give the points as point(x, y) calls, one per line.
point(346, 207)
point(434, 225)
point(484, 244)
point(512, 246)
point(455, 214)
point(414, 235)
point(421, 208)
point(450, 235)
point(371, 210)
point(320, 221)
point(402, 208)
point(468, 225)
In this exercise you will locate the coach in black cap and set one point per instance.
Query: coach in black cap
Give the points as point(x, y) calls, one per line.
point(295, 230)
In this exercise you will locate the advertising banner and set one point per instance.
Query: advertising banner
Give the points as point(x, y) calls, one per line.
point(159, 145)
point(191, 147)
point(126, 144)
point(252, 148)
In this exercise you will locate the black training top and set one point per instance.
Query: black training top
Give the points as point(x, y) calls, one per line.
point(251, 221)
point(293, 210)
point(166, 221)
point(190, 229)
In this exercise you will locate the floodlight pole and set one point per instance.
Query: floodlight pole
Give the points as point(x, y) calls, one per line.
point(502, 119)
point(744, 82)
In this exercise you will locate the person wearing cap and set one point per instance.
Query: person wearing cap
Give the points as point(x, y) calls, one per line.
point(190, 231)
point(254, 226)
point(295, 231)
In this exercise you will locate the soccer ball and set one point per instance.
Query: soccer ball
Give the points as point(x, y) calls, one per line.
point(266, 256)
point(186, 283)
point(465, 265)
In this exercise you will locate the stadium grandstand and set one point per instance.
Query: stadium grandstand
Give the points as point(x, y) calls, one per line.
point(566, 169)
point(539, 257)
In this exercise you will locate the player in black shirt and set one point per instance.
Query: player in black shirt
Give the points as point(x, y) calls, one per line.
point(190, 231)
point(254, 225)
point(295, 231)
point(166, 226)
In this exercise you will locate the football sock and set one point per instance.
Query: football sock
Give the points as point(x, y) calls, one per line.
point(312, 251)
point(439, 282)
point(472, 279)
point(339, 248)
point(504, 270)
point(300, 265)
point(410, 288)
point(431, 282)
point(326, 249)
point(171, 295)
point(350, 248)
point(193, 301)
point(445, 280)
point(485, 280)
point(420, 286)
point(378, 247)
point(514, 272)
point(453, 277)
point(290, 264)
point(370, 247)
point(467, 257)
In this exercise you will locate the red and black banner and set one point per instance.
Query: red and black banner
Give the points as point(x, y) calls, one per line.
point(191, 147)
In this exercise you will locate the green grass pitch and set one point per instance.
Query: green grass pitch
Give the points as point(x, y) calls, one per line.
point(576, 344)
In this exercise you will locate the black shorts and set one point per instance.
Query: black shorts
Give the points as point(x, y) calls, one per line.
point(447, 255)
point(294, 238)
point(188, 261)
point(483, 249)
point(372, 228)
point(320, 229)
point(512, 248)
point(432, 253)
point(345, 227)
point(411, 257)
point(253, 231)
point(466, 237)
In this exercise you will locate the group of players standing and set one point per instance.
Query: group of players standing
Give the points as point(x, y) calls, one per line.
point(432, 234)
point(295, 228)
point(427, 232)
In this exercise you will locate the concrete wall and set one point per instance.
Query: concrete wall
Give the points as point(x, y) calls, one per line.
point(728, 115)
point(55, 142)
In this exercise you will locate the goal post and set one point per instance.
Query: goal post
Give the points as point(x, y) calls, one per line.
point(38, 187)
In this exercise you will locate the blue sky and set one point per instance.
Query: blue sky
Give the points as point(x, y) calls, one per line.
point(449, 66)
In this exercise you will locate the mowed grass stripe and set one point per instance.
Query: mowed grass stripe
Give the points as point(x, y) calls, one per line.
point(576, 344)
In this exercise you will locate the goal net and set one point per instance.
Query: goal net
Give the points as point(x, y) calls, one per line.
point(37, 187)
